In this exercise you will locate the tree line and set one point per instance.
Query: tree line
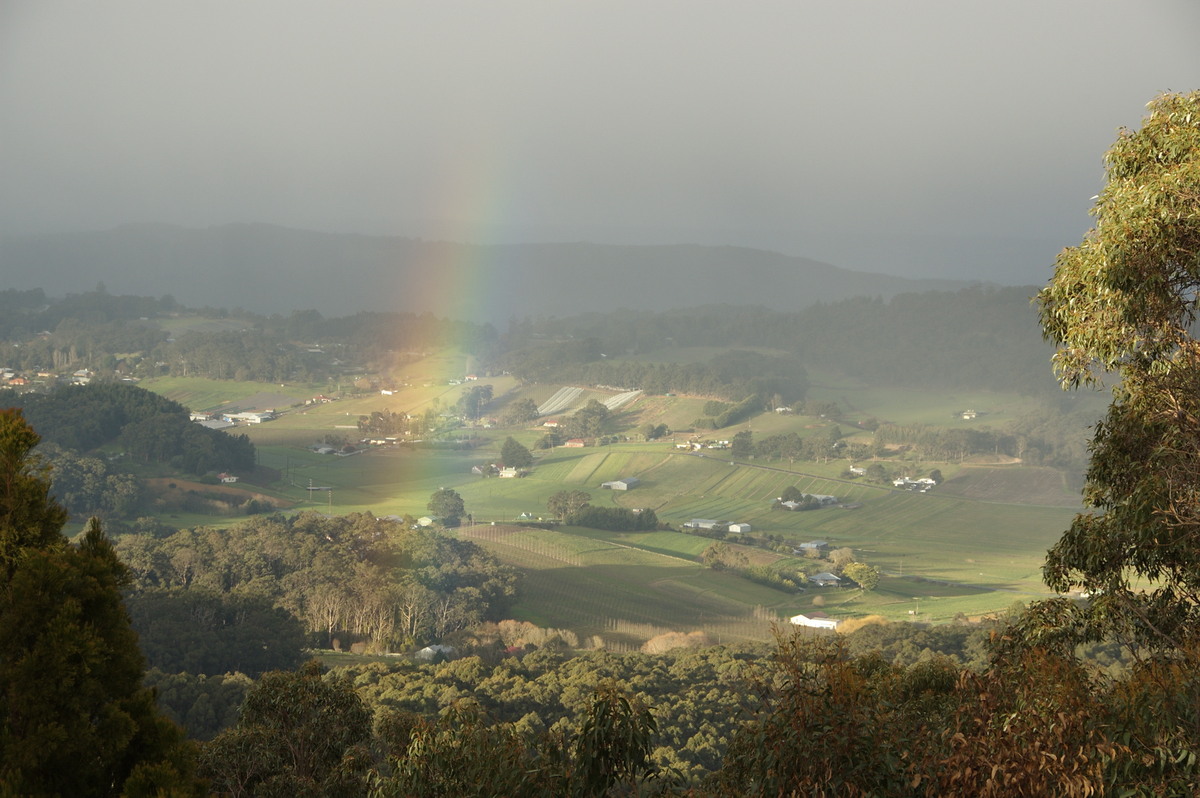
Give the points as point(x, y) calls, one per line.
point(108, 333)
point(151, 428)
point(346, 580)
point(981, 337)
point(81, 425)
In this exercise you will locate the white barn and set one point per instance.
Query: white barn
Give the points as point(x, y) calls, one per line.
point(815, 620)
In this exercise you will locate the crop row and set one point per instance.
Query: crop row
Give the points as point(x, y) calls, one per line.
point(560, 401)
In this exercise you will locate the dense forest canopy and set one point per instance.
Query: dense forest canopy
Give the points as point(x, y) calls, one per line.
point(148, 427)
point(347, 579)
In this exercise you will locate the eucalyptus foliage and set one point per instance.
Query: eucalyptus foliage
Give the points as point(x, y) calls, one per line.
point(1122, 308)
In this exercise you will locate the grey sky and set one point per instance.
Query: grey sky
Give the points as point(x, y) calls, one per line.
point(929, 138)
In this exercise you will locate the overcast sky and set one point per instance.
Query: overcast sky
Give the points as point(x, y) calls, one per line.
point(927, 138)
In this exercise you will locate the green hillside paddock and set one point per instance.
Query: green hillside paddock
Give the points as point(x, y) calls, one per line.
point(966, 550)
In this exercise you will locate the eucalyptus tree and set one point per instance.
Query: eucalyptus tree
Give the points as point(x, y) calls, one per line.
point(1122, 309)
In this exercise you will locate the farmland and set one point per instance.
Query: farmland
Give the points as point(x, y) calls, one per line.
point(972, 546)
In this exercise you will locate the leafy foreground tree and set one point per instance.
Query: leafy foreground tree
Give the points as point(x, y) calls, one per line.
point(464, 755)
point(301, 734)
point(1033, 725)
point(298, 735)
point(1124, 303)
point(74, 716)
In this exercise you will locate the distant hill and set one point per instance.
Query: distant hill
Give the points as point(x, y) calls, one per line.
point(270, 269)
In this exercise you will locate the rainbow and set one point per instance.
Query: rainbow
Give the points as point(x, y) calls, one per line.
point(457, 278)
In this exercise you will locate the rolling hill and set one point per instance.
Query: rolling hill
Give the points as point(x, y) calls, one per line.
point(270, 269)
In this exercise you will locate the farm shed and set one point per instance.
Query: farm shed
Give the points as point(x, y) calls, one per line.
point(628, 483)
point(815, 620)
point(249, 418)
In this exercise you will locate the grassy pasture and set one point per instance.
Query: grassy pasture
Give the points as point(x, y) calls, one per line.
point(974, 545)
point(911, 599)
point(994, 549)
point(178, 325)
point(625, 595)
point(1027, 485)
point(677, 412)
point(913, 406)
point(202, 394)
point(1001, 546)
point(768, 424)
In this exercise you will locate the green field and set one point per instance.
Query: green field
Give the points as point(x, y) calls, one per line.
point(202, 394)
point(625, 595)
point(941, 555)
point(972, 546)
point(912, 406)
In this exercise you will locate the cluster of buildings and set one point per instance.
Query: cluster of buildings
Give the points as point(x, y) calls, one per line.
point(493, 470)
point(809, 501)
point(716, 526)
point(695, 446)
point(226, 420)
point(921, 485)
point(11, 378)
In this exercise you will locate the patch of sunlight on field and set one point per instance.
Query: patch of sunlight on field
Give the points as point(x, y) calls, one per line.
point(598, 588)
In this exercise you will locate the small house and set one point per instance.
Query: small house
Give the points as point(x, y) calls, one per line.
point(704, 523)
point(740, 528)
point(575, 443)
point(825, 579)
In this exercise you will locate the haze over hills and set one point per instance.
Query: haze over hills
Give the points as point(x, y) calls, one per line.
point(271, 269)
